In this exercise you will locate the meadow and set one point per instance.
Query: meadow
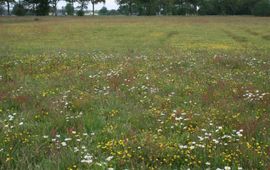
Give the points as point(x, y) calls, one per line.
point(135, 93)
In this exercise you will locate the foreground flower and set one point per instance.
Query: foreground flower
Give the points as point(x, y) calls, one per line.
point(63, 143)
point(87, 159)
point(227, 168)
point(109, 158)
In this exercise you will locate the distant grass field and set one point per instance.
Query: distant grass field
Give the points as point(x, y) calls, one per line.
point(135, 93)
point(137, 34)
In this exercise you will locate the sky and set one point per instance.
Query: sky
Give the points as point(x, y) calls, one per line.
point(110, 4)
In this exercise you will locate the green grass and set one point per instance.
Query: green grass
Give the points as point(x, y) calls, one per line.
point(134, 92)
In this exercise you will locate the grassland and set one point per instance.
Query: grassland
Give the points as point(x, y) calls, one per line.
point(135, 93)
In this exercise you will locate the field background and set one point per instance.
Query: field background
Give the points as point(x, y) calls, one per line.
point(139, 34)
point(135, 92)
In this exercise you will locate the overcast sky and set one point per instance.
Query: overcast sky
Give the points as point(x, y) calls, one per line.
point(110, 4)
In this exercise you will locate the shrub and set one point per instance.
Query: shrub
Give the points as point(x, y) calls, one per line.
point(113, 12)
point(80, 13)
point(2, 10)
point(19, 10)
point(69, 9)
point(42, 8)
point(103, 11)
point(262, 8)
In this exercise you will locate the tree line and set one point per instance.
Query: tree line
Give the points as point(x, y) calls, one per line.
point(142, 7)
point(195, 7)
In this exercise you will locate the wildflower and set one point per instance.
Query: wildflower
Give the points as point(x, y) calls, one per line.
point(208, 163)
point(227, 168)
point(87, 159)
point(21, 123)
point(216, 141)
point(45, 137)
point(98, 164)
point(76, 149)
point(182, 146)
point(11, 117)
point(109, 158)
point(239, 133)
point(178, 118)
point(68, 139)
point(200, 138)
point(63, 143)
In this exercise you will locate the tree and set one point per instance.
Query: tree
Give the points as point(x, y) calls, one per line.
point(208, 7)
point(262, 8)
point(230, 7)
point(103, 11)
point(38, 7)
point(127, 4)
point(113, 12)
point(186, 7)
point(93, 2)
point(54, 4)
point(83, 5)
point(69, 9)
point(42, 7)
point(150, 7)
point(123, 10)
point(19, 10)
point(80, 13)
point(8, 2)
point(31, 5)
point(63, 11)
point(144, 7)
point(2, 9)
point(245, 7)
point(72, 4)
point(166, 7)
